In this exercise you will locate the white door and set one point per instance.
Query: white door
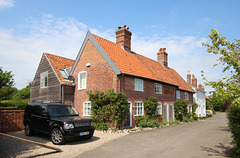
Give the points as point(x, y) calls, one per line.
point(166, 112)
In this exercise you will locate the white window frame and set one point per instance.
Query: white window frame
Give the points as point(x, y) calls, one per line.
point(159, 109)
point(186, 95)
point(136, 111)
point(43, 75)
point(158, 86)
point(79, 80)
point(138, 84)
point(87, 110)
point(178, 94)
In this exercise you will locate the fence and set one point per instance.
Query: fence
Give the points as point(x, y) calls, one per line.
point(11, 120)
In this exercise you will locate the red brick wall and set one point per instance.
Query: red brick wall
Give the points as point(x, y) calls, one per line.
point(11, 120)
point(127, 86)
point(100, 76)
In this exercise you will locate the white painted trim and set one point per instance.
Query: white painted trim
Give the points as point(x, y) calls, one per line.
point(167, 111)
point(135, 84)
point(142, 109)
point(52, 67)
point(79, 80)
point(130, 113)
point(83, 107)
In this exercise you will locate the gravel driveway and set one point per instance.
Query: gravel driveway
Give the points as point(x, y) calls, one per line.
point(13, 148)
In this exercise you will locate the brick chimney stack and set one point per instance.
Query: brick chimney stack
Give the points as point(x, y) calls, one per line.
point(194, 81)
point(200, 87)
point(189, 78)
point(162, 57)
point(123, 37)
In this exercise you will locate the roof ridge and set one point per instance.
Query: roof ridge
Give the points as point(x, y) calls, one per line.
point(105, 39)
point(58, 56)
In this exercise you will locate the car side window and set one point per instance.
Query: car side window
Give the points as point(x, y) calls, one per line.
point(40, 110)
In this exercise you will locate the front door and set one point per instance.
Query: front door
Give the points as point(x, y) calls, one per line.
point(166, 112)
point(172, 112)
point(128, 123)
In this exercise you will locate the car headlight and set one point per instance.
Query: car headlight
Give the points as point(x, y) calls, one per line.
point(68, 125)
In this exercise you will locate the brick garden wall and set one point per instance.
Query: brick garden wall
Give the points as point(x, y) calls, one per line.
point(11, 120)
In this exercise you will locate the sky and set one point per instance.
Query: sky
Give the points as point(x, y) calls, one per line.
point(28, 28)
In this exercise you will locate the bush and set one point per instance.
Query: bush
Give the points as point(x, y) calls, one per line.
point(174, 122)
point(145, 122)
point(101, 126)
point(185, 119)
point(138, 119)
point(195, 117)
point(20, 105)
point(150, 106)
point(164, 123)
point(180, 109)
point(209, 113)
point(233, 115)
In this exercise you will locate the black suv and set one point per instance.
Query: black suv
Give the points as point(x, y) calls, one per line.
point(58, 120)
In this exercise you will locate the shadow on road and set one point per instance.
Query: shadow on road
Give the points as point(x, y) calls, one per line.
point(218, 150)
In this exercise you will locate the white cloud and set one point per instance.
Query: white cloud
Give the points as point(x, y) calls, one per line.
point(6, 3)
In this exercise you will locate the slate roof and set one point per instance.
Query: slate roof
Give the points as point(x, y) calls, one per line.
point(138, 65)
point(61, 63)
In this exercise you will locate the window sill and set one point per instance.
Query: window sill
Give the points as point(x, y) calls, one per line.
point(139, 90)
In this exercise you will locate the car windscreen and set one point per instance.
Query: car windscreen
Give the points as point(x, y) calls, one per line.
point(61, 110)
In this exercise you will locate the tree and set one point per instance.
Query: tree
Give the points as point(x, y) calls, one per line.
point(227, 89)
point(6, 83)
point(23, 93)
point(6, 79)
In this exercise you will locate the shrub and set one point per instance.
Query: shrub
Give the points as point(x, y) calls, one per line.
point(174, 122)
point(195, 117)
point(20, 105)
point(233, 115)
point(109, 107)
point(191, 119)
point(138, 119)
point(180, 109)
point(164, 123)
point(209, 113)
point(150, 106)
point(101, 126)
point(185, 119)
point(148, 122)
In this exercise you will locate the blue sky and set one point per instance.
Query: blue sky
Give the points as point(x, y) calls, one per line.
point(29, 28)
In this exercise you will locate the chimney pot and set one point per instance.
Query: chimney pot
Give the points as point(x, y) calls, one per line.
point(119, 27)
point(124, 26)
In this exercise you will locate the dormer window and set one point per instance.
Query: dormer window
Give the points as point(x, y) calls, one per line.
point(64, 74)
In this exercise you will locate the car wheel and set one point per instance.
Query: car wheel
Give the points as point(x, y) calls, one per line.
point(57, 136)
point(28, 130)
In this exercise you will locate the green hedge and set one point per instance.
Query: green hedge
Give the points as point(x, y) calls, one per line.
point(233, 114)
point(101, 126)
point(18, 104)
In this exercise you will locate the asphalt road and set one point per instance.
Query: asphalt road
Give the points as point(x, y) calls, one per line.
point(201, 139)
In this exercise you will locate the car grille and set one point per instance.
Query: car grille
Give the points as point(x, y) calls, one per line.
point(82, 124)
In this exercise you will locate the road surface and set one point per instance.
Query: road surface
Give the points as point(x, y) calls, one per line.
point(201, 139)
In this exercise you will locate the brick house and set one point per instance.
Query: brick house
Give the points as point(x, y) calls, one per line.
point(102, 65)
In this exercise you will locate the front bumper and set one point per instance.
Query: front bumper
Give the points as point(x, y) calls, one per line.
point(76, 132)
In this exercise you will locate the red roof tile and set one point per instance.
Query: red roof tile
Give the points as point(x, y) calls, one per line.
point(61, 63)
point(138, 65)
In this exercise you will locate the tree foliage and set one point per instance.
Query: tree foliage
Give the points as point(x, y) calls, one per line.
point(23, 93)
point(6, 78)
point(109, 107)
point(227, 90)
point(150, 106)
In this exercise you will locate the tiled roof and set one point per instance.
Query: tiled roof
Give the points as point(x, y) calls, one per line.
point(138, 65)
point(57, 63)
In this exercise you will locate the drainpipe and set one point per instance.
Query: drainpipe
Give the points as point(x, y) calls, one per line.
point(63, 94)
point(119, 82)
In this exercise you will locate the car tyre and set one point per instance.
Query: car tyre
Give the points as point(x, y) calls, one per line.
point(57, 136)
point(28, 130)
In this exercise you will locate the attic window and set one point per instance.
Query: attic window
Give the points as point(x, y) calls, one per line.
point(64, 75)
